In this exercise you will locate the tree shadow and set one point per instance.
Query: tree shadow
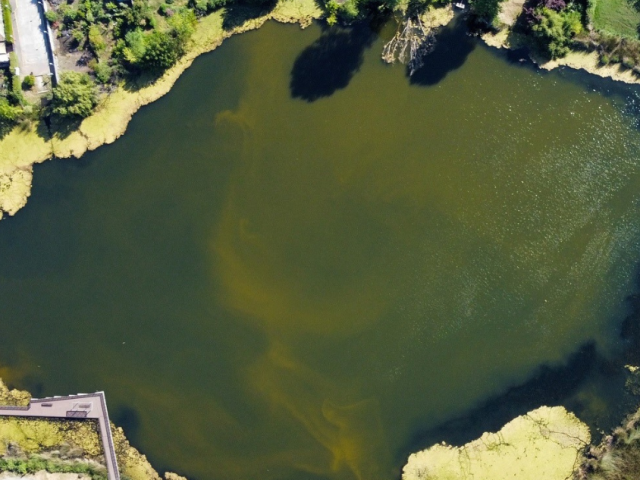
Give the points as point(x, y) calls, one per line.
point(551, 385)
point(453, 46)
point(585, 369)
point(5, 128)
point(61, 128)
point(329, 63)
point(237, 14)
point(129, 419)
point(134, 82)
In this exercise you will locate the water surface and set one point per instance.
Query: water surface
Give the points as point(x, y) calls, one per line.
point(299, 258)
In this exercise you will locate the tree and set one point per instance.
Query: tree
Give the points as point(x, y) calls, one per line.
point(161, 51)
point(8, 113)
point(183, 24)
point(74, 96)
point(554, 30)
point(28, 82)
point(96, 42)
point(488, 10)
point(135, 46)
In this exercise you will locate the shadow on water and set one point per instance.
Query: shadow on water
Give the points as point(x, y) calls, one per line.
point(129, 419)
point(453, 46)
point(587, 378)
point(329, 63)
point(549, 386)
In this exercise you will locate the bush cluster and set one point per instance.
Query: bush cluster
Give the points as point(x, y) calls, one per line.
point(37, 464)
point(6, 17)
point(554, 25)
point(75, 96)
point(618, 50)
point(126, 38)
point(554, 30)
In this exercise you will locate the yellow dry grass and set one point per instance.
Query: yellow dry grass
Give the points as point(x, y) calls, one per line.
point(21, 148)
point(544, 443)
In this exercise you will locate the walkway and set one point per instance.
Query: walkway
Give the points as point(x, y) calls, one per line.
point(29, 30)
point(83, 405)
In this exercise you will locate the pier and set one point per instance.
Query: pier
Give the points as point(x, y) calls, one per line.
point(80, 406)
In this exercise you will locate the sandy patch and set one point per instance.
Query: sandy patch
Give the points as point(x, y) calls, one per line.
point(509, 11)
point(590, 62)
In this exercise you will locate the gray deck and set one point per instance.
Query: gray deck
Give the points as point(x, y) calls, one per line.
point(92, 405)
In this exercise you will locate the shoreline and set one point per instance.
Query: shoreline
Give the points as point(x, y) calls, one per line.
point(21, 148)
point(586, 61)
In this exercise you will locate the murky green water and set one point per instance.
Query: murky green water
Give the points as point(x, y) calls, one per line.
point(269, 287)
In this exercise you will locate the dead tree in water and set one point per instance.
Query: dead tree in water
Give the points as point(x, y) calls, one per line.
point(411, 43)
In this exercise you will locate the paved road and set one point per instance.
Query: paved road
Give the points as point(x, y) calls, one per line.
point(92, 405)
point(29, 32)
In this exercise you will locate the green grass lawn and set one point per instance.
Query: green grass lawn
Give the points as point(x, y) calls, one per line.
point(616, 17)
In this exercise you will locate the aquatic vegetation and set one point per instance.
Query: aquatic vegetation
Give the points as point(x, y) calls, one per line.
point(543, 444)
point(617, 457)
point(14, 397)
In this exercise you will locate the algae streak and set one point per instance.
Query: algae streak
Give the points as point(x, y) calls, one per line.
point(21, 148)
point(543, 444)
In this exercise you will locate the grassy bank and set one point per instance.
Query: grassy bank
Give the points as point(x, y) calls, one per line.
point(543, 444)
point(615, 17)
point(23, 147)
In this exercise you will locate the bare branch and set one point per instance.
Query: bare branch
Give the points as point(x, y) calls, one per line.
point(411, 43)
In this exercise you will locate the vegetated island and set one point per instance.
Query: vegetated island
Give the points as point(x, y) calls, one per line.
point(115, 56)
point(52, 448)
point(543, 444)
point(547, 443)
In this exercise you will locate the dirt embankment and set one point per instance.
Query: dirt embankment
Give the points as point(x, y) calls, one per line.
point(22, 148)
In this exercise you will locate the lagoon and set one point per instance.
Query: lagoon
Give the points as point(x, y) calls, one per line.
point(300, 261)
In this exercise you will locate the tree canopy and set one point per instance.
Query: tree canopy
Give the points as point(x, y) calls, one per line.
point(74, 96)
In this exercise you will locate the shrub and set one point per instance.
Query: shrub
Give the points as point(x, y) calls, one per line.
point(78, 35)
point(488, 10)
point(332, 12)
point(28, 82)
point(96, 42)
point(51, 16)
point(6, 17)
point(74, 96)
point(13, 62)
point(8, 116)
point(161, 51)
point(102, 71)
point(554, 30)
point(615, 59)
point(604, 59)
point(67, 14)
point(349, 10)
point(202, 7)
point(183, 24)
